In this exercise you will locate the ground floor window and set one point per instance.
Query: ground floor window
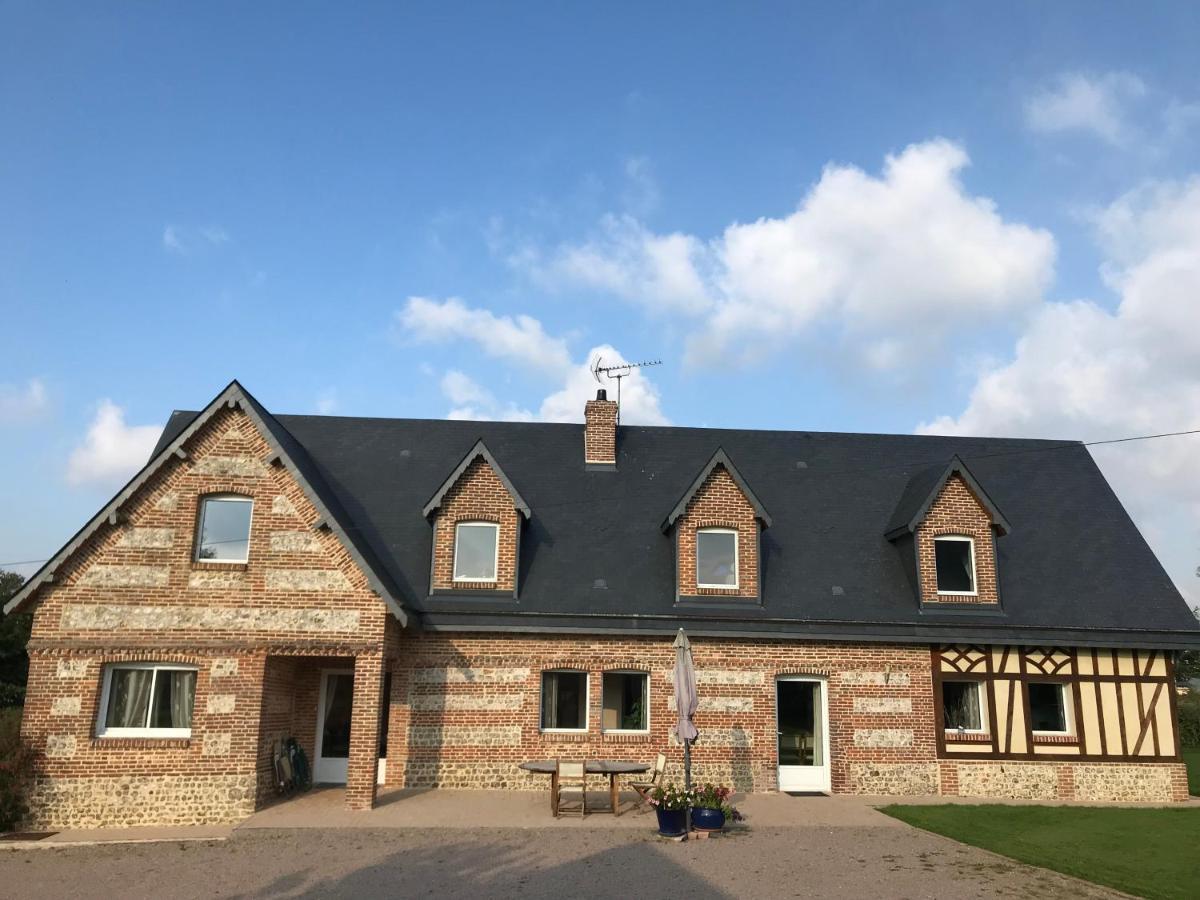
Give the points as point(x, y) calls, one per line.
point(962, 705)
point(626, 706)
point(147, 700)
point(1048, 708)
point(564, 701)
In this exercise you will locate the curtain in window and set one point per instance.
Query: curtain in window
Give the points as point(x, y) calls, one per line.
point(183, 696)
point(129, 698)
point(549, 701)
point(966, 566)
point(818, 726)
point(962, 707)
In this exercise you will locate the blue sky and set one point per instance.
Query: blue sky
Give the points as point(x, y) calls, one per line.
point(976, 218)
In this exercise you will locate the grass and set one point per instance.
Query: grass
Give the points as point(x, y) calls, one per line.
point(1191, 757)
point(1147, 852)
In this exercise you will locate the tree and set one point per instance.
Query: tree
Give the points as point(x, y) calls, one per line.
point(14, 636)
point(1187, 667)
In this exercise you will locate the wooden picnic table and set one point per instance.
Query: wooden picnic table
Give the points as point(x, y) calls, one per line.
point(610, 767)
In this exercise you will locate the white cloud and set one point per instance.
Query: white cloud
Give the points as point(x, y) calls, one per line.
point(471, 400)
point(865, 254)
point(112, 451)
point(640, 196)
point(1081, 371)
point(183, 240)
point(640, 401)
point(520, 340)
point(20, 404)
point(1089, 103)
point(660, 271)
point(327, 402)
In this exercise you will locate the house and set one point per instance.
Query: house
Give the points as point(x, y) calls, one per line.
point(428, 603)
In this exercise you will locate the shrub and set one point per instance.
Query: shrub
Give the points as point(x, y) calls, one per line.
point(15, 760)
point(1189, 719)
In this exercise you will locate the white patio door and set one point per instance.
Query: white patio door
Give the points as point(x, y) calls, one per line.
point(802, 727)
point(333, 727)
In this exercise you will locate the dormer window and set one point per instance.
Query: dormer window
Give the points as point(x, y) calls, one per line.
point(954, 557)
point(223, 532)
point(717, 558)
point(476, 547)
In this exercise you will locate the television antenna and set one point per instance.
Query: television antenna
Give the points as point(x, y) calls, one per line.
point(616, 373)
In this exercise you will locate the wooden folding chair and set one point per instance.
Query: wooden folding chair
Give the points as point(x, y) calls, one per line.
point(570, 776)
point(645, 787)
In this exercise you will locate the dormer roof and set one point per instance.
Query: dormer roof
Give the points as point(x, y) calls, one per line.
point(480, 450)
point(720, 458)
point(923, 489)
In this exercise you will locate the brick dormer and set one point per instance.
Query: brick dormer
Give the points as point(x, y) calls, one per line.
point(716, 527)
point(476, 510)
point(949, 524)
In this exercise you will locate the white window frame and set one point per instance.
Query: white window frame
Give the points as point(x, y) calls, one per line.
point(1068, 705)
point(983, 712)
point(240, 498)
point(476, 523)
point(103, 731)
point(587, 702)
point(737, 559)
point(646, 676)
point(974, 571)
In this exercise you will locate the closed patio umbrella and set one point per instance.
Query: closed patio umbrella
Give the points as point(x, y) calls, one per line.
point(686, 702)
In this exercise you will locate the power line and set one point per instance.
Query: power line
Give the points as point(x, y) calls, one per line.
point(1067, 445)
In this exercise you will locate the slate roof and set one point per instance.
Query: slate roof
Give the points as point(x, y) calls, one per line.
point(594, 559)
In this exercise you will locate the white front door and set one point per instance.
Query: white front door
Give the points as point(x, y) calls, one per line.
point(333, 727)
point(802, 727)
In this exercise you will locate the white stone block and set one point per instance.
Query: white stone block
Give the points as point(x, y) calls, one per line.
point(72, 668)
point(224, 667)
point(217, 744)
point(60, 746)
point(883, 737)
point(883, 705)
point(221, 704)
point(65, 706)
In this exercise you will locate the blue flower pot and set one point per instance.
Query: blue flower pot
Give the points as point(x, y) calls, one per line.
point(672, 822)
point(708, 819)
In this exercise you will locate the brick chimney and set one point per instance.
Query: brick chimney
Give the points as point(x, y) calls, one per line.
point(600, 431)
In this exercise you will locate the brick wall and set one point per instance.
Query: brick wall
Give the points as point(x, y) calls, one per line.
point(957, 511)
point(600, 431)
point(466, 710)
point(134, 593)
point(477, 496)
point(719, 503)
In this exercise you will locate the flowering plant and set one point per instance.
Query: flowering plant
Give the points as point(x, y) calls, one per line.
point(713, 796)
point(671, 797)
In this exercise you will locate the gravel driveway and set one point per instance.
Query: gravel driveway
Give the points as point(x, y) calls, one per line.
point(765, 862)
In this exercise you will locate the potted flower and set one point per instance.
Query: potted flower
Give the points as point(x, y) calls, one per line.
point(711, 808)
point(671, 804)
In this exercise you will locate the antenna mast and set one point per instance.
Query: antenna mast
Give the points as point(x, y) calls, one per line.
point(616, 373)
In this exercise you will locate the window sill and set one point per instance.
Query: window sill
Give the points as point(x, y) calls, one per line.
point(1068, 739)
point(199, 564)
point(626, 737)
point(968, 737)
point(568, 736)
point(141, 743)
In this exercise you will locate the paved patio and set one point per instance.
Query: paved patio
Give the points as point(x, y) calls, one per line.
point(444, 808)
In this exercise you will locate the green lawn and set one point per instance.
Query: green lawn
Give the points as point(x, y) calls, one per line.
point(1147, 852)
point(1191, 756)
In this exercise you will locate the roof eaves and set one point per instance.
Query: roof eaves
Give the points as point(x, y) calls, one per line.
point(480, 449)
point(720, 458)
